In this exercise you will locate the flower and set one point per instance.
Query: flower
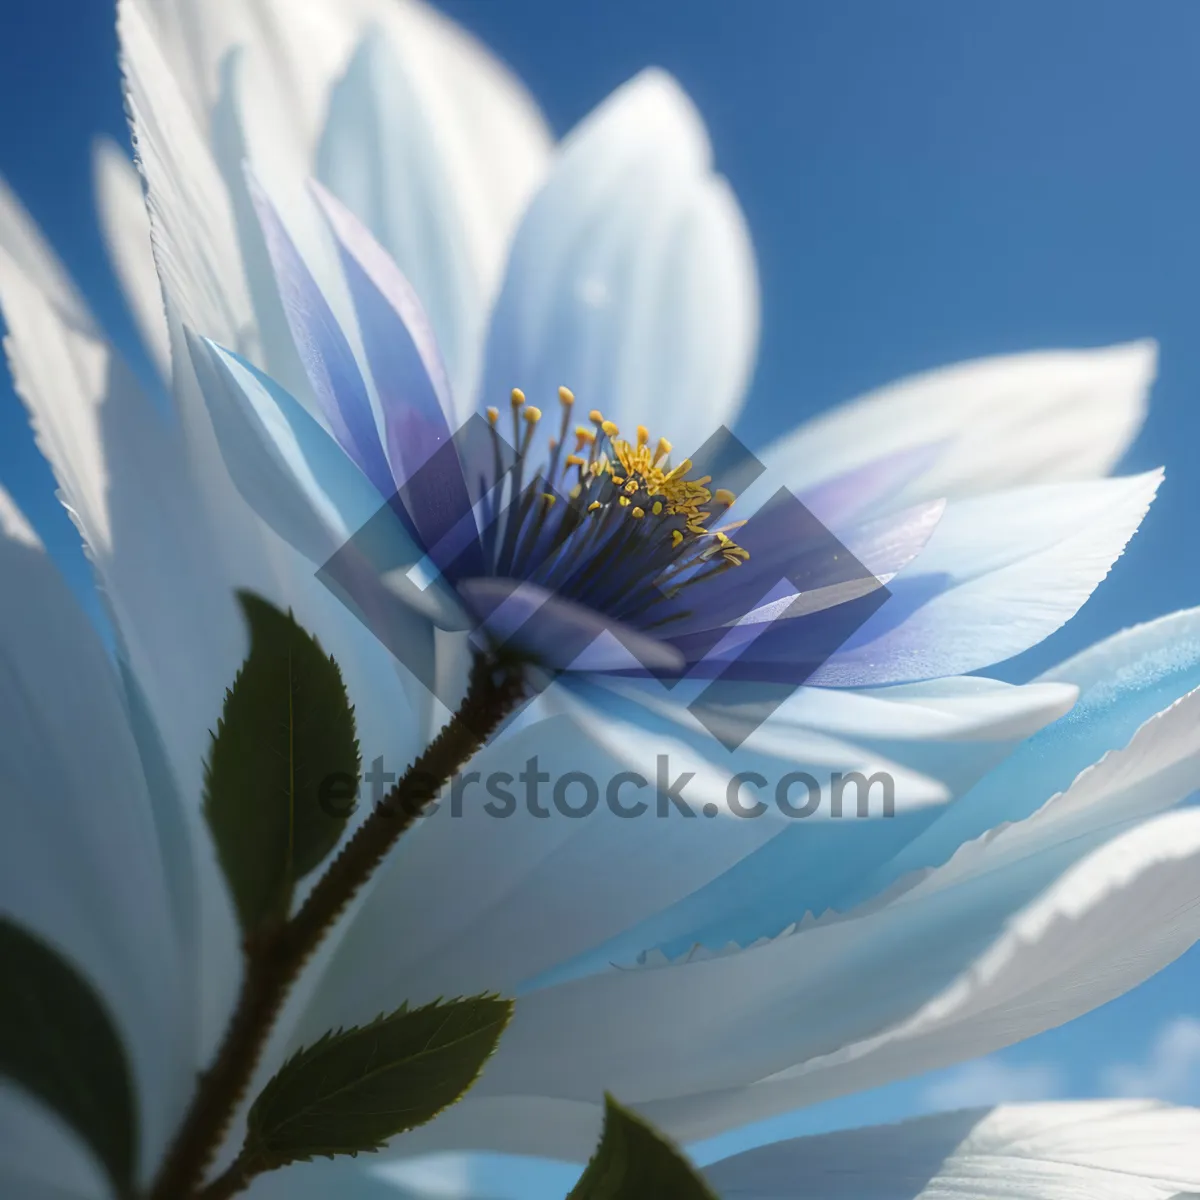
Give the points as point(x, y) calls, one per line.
point(545, 546)
point(1099, 874)
point(761, 964)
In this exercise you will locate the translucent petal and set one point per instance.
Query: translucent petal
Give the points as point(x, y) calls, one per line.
point(632, 278)
point(1041, 417)
point(1105, 1150)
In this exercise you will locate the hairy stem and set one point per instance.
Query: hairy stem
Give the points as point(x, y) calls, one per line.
point(275, 959)
point(235, 1178)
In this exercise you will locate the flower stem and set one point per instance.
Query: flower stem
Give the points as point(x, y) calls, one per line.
point(274, 959)
point(235, 1178)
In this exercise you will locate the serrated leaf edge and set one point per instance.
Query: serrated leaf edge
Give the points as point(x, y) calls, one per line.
point(272, 1161)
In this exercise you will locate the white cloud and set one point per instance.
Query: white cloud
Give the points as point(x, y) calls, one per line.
point(1170, 1071)
point(991, 1081)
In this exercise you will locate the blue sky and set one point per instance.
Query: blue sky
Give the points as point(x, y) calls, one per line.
point(924, 183)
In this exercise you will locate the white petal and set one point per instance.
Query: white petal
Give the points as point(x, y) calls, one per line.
point(252, 137)
point(1102, 1150)
point(438, 158)
point(471, 901)
point(306, 46)
point(22, 241)
point(1158, 767)
point(819, 866)
point(1111, 921)
point(67, 435)
point(999, 574)
point(351, 1180)
point(632, 279)
point(41, 1158)
point(126, 227)
point(195, 247)
point(1042, 417)
point(911, 720)
point(304, 49)
point(1137, 656)
point(147, 513)
point(81, 863)
point(128, 487)
point(1013, 967)
point(475, 901)
point(195, 251)
point(1119, 719)
point(957, 708)
point(445, 103)
point(953, 730)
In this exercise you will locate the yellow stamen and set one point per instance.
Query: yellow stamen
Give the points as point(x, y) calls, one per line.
point(639, 478)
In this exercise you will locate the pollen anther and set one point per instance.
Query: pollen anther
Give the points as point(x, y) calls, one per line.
point(615, 474)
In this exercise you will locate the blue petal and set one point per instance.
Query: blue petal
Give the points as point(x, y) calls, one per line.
point(1004, 572)
point(290, 471)
point(1145, 670)
point(323, 349)
point(847, 496)
point(796, 871)
point(814, 866)
point(560, 634)
point(410, 380)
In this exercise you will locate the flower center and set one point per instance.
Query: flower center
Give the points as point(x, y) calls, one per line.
point(612, 516)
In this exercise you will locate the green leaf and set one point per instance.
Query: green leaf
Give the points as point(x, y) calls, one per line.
point(283, 772)
point(634, 1162)
point(58, 1042)
point(356, 1088)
